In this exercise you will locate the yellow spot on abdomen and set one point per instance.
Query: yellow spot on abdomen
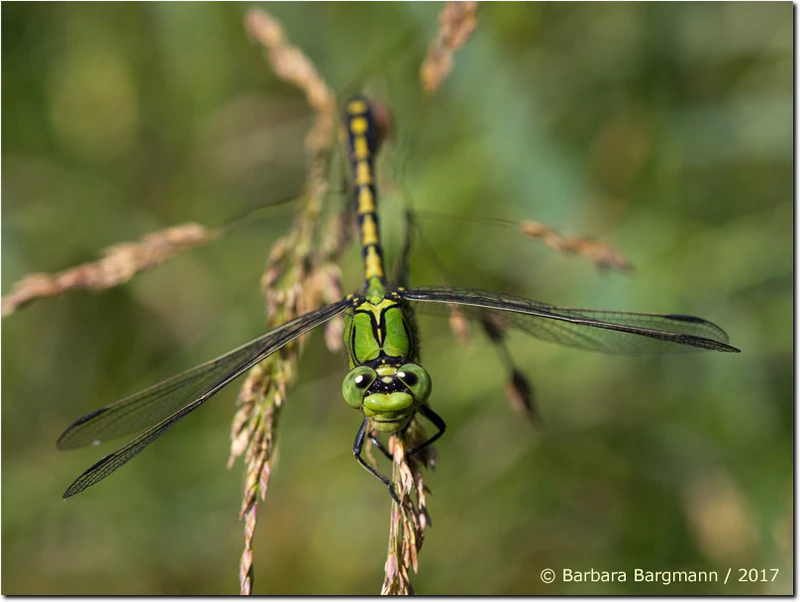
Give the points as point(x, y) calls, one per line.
point(366, 202)
point(356, 107)
point(360, 148)
point(363, 173)
point(369, 231)
point(373, 264)
point(358, 126)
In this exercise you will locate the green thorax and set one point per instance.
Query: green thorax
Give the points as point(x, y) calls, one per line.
point(380, 329)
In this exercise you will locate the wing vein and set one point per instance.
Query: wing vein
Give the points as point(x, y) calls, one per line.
point(618, 332)
point(172, 403)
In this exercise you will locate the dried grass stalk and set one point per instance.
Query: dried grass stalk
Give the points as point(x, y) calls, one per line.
point(457, 21)
point(301, 275)
point(291, 65)
point(602, 255)
point(410, 519)
point(120, 263)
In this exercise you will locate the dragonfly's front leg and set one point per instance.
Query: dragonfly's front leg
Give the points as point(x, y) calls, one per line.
point(358, 445)
point(437, 421)
point(381, 448)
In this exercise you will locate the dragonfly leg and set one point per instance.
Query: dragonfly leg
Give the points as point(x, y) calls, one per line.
point(374, 440)
point(358, 445)
point(401, 267)
point(519, 390)
point(437, 421)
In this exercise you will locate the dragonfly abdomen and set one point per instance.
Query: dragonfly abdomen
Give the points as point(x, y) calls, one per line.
point(362, 135)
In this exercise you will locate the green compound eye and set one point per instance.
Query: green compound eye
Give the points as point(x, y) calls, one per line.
point(357, 381)
point(416, 379)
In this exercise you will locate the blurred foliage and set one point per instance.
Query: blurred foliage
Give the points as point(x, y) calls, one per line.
point(662, 129)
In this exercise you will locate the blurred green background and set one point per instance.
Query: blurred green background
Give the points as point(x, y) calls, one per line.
point(664, 130)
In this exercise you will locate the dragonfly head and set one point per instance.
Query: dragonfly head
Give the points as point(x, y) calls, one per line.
point(387, 395)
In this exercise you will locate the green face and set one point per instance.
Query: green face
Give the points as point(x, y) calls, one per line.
point(387, 395)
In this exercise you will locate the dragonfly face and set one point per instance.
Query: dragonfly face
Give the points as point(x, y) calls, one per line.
point(388, 395)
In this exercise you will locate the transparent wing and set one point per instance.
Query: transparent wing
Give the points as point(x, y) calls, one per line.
point(166, 403)
point(618, 332)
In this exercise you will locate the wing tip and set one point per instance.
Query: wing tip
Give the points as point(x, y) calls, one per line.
point(64, 440)
point(83, 482)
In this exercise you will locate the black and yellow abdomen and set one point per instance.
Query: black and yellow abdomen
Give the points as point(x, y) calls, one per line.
point(363, 139)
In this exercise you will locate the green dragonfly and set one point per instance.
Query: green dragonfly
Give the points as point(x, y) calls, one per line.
point(386, 382)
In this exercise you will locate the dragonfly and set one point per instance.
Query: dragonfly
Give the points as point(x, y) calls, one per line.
point(386, 382)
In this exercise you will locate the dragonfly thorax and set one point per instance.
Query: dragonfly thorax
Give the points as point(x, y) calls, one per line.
point(377, 330)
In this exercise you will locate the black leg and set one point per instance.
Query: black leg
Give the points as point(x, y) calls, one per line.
point(401, 267)
point(358, 445)
point(374, 440)
point(519, 390)
point(437, 422)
